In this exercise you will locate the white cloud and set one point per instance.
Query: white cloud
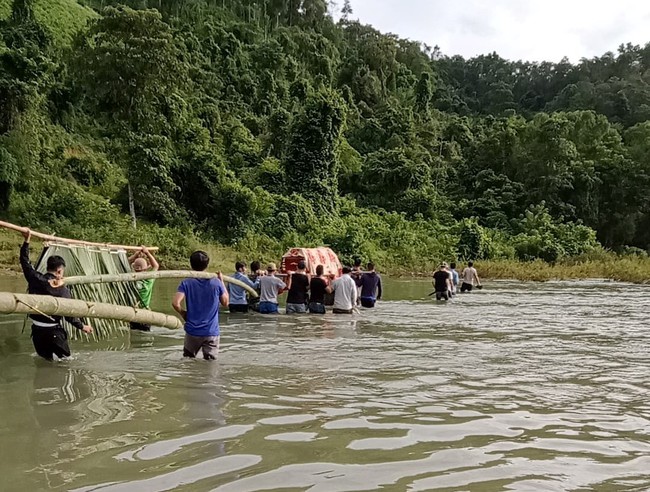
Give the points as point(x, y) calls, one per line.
point(515, 29)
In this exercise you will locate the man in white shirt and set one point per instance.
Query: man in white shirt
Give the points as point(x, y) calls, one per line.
point(469, 276)
point(345, 293)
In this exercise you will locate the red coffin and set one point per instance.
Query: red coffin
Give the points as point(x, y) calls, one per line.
point(312, 257)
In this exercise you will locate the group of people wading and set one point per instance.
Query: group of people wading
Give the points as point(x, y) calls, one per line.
point(446, 280)
point(197, 300)
point(305, 293)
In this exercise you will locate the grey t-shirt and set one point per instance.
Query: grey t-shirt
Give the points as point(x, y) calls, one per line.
point(269, 287)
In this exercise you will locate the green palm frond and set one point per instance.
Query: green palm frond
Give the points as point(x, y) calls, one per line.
point(84, 261)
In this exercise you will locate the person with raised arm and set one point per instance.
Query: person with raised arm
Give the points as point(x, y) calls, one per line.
point(48, 336)
point(143, 261)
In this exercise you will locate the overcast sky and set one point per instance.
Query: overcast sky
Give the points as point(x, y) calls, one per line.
point(531, 30)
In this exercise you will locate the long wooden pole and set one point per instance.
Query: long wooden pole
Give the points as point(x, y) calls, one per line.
point(133, 277)
point(56, 239)
point(11, 303)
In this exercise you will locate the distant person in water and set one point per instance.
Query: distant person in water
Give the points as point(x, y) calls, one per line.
point(470, 278)
point(256, 271)
point(143, 261)
point(442, 283)
point(356, 275)
point(298, 295)
point(270, 288)
point(202, 297)
point(238, 302)
point(345, 293)
point(356, 268)
point(370, 283)
point(317, 288)
point(454, 278)
point(48, 336)
point(254, 275)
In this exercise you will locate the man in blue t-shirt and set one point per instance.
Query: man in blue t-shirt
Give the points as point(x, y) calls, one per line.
point(202, 298)
point(238, 299)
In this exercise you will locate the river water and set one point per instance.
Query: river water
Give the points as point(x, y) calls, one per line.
point(521, 386)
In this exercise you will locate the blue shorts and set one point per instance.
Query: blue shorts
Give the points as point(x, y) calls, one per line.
point(296, 308)
point(268, 307)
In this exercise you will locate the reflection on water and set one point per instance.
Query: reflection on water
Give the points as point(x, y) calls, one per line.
point(517, 387)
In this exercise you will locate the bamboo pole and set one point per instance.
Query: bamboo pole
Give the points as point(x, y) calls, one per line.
point(133, 277)
point(56, 239)
point(11, 303)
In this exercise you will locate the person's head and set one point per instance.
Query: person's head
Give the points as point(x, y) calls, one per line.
point(302, 265)
point(441, 266)
point(271, 268)
point(444, 265)
point(319, 270)
point(255, 266)
point(199, 261)
point(470, 264)
point(452, 266)
point(357, 263)
point(56, 266)
point(140, 265)
point(347, 270)
point(370, 267)
point(240, 267)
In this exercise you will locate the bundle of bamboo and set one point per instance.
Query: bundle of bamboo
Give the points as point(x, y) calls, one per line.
point(90, 260)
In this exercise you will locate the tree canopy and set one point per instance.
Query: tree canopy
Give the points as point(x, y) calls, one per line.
point(268, 124)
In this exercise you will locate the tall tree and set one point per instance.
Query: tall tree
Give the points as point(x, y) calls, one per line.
point(311, 164)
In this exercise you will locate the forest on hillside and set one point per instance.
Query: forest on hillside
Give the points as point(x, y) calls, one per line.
point(265, 124)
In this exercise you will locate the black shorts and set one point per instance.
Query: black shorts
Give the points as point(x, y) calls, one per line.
point(466, 287)
point(368, 302)
point(49, 342)
point(342, 311)
point(139, 326)
point(238, 308)
point(442, 295)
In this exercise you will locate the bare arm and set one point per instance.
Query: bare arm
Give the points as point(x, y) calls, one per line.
point(134, 257)
point(478, 281)
point(177, 304)
point(152, 260)
point(224, 298)
point(287, 285)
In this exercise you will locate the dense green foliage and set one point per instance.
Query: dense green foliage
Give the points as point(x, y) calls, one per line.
point(268, 124)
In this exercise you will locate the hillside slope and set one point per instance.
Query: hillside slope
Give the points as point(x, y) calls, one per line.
point(63, 17)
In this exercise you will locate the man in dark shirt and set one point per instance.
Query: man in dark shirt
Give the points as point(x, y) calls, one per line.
point(317, 289)
point(298, 287)
point(442, 283)
point(48, 336)
point(370, 283)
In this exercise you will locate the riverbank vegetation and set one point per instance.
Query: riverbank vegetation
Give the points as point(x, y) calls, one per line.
point(256, 126)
